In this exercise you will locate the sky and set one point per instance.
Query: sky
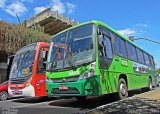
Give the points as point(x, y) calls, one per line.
point(138, 18)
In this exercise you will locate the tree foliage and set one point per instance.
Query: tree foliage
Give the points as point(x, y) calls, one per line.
point(13, 37)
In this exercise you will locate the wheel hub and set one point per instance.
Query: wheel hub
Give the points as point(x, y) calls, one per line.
point(123, 89)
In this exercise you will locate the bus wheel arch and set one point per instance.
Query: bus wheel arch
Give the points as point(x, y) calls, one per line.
point(122, 87)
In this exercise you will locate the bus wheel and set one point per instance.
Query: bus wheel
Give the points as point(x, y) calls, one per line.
point(150, 86)
point(81, 98)
point(122, 89)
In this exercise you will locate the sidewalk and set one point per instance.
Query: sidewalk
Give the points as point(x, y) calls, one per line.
point(146, 103)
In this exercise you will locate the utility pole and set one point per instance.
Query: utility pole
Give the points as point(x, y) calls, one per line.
point(18, 19)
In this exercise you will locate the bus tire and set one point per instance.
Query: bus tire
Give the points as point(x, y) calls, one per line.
point(80, 98)
point(150, 86)
point(122, 89)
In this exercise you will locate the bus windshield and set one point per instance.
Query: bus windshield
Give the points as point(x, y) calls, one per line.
point(72, 48)
point(23, 64)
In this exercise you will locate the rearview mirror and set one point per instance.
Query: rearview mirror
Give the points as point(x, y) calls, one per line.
point(44, 54)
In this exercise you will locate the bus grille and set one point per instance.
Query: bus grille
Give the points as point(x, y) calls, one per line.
point(18, 81)
point(67, 79)
point(68, 91)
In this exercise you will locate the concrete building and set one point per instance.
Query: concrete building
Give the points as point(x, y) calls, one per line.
point(46, 21)
point(49, 22)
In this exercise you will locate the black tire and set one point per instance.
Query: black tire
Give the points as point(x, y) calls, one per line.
point(122, 89)
point(150, 86)
point(81, 98)
point(3, 95)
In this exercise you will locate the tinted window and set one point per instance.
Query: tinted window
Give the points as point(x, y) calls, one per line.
point(105, 48)
point(151, 62)
point(146, 57)
point(104, 31)
point(140, 56)
point(108, 47)
point(120, 47)
point(132, 52)
point(42, 59)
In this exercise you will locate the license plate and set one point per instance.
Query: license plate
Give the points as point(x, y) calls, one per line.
point(15, 91)
point(63, 87)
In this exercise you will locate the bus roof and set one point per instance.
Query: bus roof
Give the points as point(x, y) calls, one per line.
point(105, 25)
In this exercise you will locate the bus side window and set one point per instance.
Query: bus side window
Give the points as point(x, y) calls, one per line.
point(151, 61)
point(140, 56)
point(120, 47)
point(42, 60)
point(131, 52)
point(105, 51)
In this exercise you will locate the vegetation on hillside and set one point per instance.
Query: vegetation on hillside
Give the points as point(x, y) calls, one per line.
point(13, 37)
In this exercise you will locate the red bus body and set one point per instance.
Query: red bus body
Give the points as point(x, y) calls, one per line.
point(31, 80)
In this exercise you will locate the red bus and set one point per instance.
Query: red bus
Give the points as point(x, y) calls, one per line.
point(27, 75)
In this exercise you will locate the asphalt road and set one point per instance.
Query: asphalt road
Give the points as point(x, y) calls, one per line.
point(53, 105)
point(146, 103)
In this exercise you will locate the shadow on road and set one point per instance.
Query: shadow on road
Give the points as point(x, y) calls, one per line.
point(34, 99)
point(90, 102)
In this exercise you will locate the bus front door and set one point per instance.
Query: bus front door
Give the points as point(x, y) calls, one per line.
point(40, 89)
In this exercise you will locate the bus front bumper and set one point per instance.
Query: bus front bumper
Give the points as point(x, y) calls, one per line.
point(25, 92)
point(83, 87)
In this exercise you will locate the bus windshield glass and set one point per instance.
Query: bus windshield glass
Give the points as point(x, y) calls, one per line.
point(23, 64)
point(72, 48)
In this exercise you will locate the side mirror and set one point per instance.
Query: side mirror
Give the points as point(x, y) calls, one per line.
point(44, 53)
point(54, 64)
point(8, 61)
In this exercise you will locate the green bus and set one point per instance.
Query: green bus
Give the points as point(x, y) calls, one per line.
point(92, 59)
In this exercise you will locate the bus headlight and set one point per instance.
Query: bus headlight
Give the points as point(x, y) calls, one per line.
point(49, 80)
point(28, 84)
point(89, 73)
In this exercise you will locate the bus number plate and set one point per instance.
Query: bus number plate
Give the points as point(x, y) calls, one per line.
point(16, 91)
point(63, 87)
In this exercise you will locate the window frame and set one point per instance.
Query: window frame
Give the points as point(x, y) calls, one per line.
point(110, 34)
point(138, 49)
point(151, 60)
point(146, 54)
point(39, 56)
point(128, 48)
point(109, 38)
point(115, 46)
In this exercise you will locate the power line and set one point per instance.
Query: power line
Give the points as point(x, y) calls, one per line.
point(146, 39)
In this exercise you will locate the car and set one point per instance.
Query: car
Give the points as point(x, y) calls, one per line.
point(4, 91)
